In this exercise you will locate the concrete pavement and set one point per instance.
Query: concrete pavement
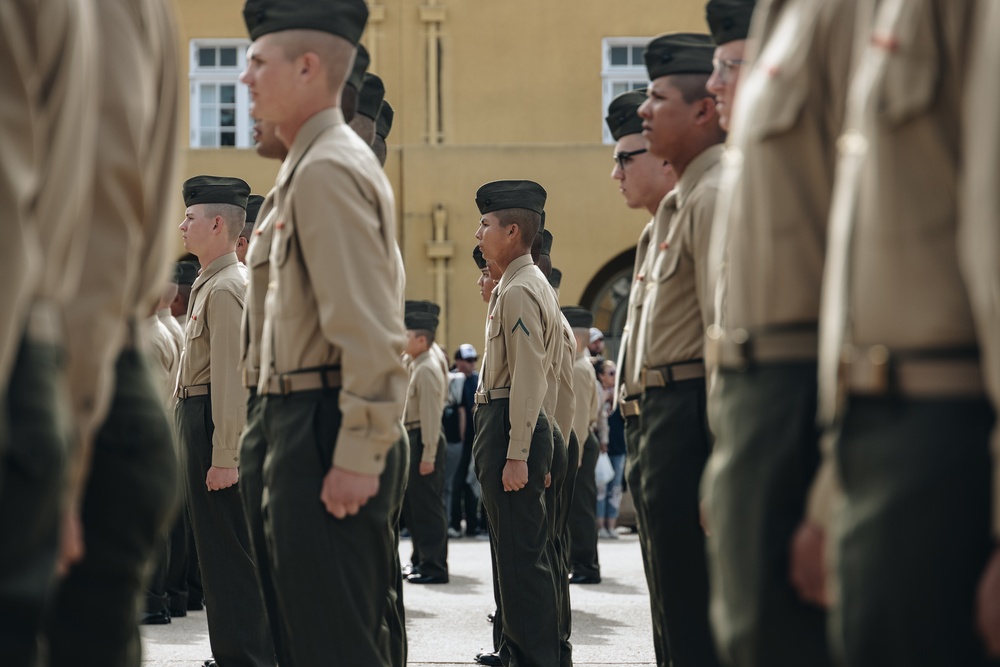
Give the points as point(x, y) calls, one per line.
point(446, 624)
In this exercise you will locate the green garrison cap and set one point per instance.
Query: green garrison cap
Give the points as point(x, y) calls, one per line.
point(578, 318)
point(361, 62)
point(546, 242)
point(477, 255)
point(216, 190)
point(383, 124)
point(729, 20)
point(623, 114)
point(422, 307)
point(555, 278)
point(185, 273)
point(679, 53)
point(344, 18)
point(500, 195)
point(418, 320)
point(371, 96)
point(253, 207)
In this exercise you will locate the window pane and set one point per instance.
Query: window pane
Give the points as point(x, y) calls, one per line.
point(208, 95)
point(637, 85)
point(619, 87)
point(227, 56)
point(207, 117)
point(206, 57)
point(227, 94)
point(209, 138)
point(619, 56)
point(637, 52)
point(227, 117)
point(227, 138)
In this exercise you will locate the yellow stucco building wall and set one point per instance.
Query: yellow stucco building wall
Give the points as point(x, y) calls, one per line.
point(482, 90)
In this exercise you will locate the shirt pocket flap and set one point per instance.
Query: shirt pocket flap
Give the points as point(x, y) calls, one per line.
point(912, 69)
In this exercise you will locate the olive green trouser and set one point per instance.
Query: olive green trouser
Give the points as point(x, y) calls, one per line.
point(673, 449)
point(767, 447)
point(423, 510)
point(333, 576)
point(253, 452)
point(525, 591)
point(130, 498)
point(583, 515)
point(558, 497)
point(238, 628)
point(32, 481)
point(395, 613)
point(915, 531)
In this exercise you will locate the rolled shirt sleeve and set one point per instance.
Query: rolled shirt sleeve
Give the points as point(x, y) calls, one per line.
point(521, 320)
point(224, 312)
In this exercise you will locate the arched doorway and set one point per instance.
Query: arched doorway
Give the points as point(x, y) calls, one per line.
point(607, 297)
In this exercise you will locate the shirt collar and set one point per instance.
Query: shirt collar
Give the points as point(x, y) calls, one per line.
point(305, 137)
point(695, 170)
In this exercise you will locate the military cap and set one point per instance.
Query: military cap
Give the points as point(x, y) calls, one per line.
point(555, 278)
point(185, 273)
point(216, 190)
point(344, 18)
point(679, 53)
point(546, 242)
point(477, 255)
point(578, 318)
point(422, 307)
point(253, 207)
point(729, 20)
point(384, 121)
point(371, 96)
point(419, 320)
point(623, 114)
point(500, 195)
point(361, 62)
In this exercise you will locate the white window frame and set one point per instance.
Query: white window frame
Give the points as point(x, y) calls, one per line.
point(219, 75)
point(612, 74)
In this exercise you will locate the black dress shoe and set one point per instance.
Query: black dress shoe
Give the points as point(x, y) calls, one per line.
point(195, 605)
point(583, 579)
point(154, 618)
point(178, 612)
point(488, 659)
point(426, 579)
point(210, 663)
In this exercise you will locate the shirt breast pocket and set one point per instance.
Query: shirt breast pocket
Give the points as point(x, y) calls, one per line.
point(281, 246)
point(777, 88)
point(665, 266)
point(195, 326)
point(912, 69)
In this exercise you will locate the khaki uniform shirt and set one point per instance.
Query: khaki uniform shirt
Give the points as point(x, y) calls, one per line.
point(162, 351)
point(627, 369)
point(778, 167)
point(425, 401)
point(560, 398)
point(979, 233)
point(252, 324)
point(211, 352)
point(589, 399)
point(175, 329)
point(522, 334)
point(48, 106)
point(135, 202)
point(893, 275)
point(675, 306)
point(334, 299)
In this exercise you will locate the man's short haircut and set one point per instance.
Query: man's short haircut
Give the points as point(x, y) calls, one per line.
point(349, 103)
point(336, 53)
point(247, 231)
point(692, 86)
point(526, 220)
point(426, 333)
point(233, 217)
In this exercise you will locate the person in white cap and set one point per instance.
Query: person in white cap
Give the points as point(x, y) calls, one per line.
point(596, 346)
